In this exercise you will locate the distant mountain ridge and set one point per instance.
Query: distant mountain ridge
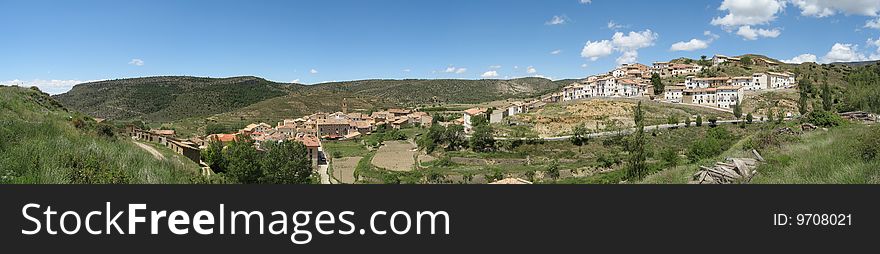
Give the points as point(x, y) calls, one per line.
point(169, 98)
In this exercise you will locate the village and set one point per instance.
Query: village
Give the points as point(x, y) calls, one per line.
point(627, 81)
point(634, 80)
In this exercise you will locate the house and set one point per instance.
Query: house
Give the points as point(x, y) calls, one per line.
point(260, 127)
point(313, 148)
point(780, 80)
point(362, 127)
point(720, 59)
point(469, 115)
point(741, 81)
point(728, 96)
point(289, 129)
point(399, 123)
point(674, 93)
point(699, 96)
point(692, 82)
point(185, 148)
point(399, 112)
point(333, 128)
point(685, 69)
point(224, 138)
point(765, 62)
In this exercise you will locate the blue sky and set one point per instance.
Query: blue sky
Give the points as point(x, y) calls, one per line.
point(55, 44)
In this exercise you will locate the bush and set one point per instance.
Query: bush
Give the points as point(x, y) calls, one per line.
point(823, 118)
point(869, 145)
point(768, 139)
point(670, 157)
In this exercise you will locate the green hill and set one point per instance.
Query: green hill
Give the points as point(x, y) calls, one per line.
point(42, 142)
point(169, 98)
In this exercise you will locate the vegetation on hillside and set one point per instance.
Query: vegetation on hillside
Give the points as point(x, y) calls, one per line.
point(169, 98)
point(42, 142)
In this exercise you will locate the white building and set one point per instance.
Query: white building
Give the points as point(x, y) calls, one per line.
point(780, 80)
point(728, 96)
point(674, 94)
point(469, 115)
point(760, 81)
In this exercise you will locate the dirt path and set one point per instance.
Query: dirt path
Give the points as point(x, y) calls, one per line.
point(151, 150)
point(343, 169)
point(395, 156)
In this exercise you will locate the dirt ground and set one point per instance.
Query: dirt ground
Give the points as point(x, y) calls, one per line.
point(395, 156)
point(343, 169)
point(558, 119)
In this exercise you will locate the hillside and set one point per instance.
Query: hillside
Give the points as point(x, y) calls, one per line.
point(42, 142)
point(169, 98)
point(420, 92)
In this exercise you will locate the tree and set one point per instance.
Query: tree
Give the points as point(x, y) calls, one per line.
point(750, 118)
point(671, 119)
point(747, 61)
point(286, 163)
point(454, 137)
point(737, 110)
point(432, 139)
point(553, 170)
point(636, 166)
point(827, 97)
point(580, 135)
point(482, 140)
point(243, 161)
point(213, 156)
point(699, 120)
point(802, 102)
point(659, 88)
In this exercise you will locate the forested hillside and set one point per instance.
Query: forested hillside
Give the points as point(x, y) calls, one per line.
point(170, 98)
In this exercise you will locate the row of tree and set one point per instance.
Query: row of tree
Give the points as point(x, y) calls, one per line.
point(241, 162)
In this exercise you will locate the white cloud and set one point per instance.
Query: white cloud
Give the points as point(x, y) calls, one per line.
point(531, 70)
point(296, 81)
point(52, 87)
point(490, 74)
point(712, 36)
point(628, 57)
point(456, 70)
point(136, 62)
point(692, 45)
point(407, 70)
point(556, 52)
point(495, 67)
point(557, 20)
point(873, 23)
point(874, 43)
point(804, 58)
point(586, 1)
point(313, 71)
point(825, 8)
point(634, 40)
point(748, 33)
point(614, 26)
point(584, 65)
point(844, 53)
point(748, 12)
point(595, 50)
point(626, 43)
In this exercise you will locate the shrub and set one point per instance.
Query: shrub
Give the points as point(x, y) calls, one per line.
point(824, 118)
point(869, 145)
point(670, 157)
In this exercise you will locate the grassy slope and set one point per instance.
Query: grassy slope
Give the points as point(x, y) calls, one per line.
point(820, 157)
point(40, 145)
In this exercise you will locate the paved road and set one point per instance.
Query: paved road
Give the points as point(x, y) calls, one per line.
point(323, 171)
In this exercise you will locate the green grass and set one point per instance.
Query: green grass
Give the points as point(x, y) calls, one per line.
point(348, 148)
point(39, 145)
point(821, 158)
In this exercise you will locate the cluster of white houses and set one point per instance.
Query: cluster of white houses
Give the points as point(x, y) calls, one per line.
point(633, 80)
